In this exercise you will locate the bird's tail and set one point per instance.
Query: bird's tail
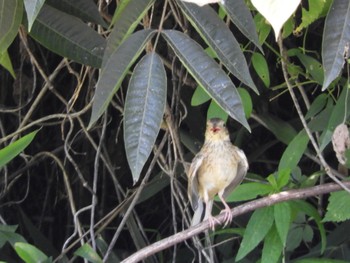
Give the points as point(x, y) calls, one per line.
point(198, 214)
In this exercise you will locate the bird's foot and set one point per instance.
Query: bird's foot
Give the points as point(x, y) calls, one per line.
point(212, 220)
point(227, 215)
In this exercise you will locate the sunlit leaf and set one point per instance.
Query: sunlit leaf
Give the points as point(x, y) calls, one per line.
point(10, 18)
point(220, 38)
point(32, 9)
point(144, 109)
point(114, 71)
point(276, 11)
point(29, 253)
point(15, 148)
point(242, 18)
point(336, 39)
point(68, 36)
point(208, 74)
point(86, 252)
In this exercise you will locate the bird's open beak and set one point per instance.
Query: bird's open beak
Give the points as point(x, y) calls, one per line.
point(215, 129)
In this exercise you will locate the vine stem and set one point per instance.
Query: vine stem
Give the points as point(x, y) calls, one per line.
point(237, 211)
point(284, 60)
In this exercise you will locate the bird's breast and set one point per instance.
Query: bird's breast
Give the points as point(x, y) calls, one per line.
point(218, 169)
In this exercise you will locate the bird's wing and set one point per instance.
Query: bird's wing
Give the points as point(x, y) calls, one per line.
point(242, 168)
point(192, 189)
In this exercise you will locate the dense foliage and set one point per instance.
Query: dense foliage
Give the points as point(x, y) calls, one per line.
point(103, 104)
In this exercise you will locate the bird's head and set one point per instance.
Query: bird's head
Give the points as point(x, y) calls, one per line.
point(216, 130)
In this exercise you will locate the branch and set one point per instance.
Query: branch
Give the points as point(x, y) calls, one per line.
point(237, 211)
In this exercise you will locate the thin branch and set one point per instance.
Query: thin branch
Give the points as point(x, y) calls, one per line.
point(237, 211)
point(327, 168)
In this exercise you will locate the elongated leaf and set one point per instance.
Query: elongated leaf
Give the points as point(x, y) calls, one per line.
point(257, 228)
point(261, 68)
point(220, 38)
point(294, 151)
point(273, 247)
point(29, 253)
point(242, 18)
point(5, 61)
point(144, 108)
point(114, 71)
point(126, 19)
point(283, 214)
point(336, 39)
point(15, 148)
point(249, 191)
point(83, 9)
point(10, 18)
point(87, 252)
point(68, 36)
point(208, 74)
point(32, 10)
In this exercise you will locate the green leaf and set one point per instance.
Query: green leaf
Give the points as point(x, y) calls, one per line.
point(283, 178)
point(246, 101)
point(32, 9)
point(317, 105)
point(126, 18)
point(249, 191)
point(312, 212)
point(294, 151)
point(199, 96)
point(15, 148)
point(5, 61)
point(262, 26)
point(261, 68)
point(29, 253)
point(86, 252)
point(258, 226)
point(320, 121)
point(313, 67)
point(84, 9)
point(336, 37)
point(220, 38)
point(283, 217)
point(242, 18)
point(208, 74)
point(7, 235)
point(314, 11)
point(114, 71)
point(338, 207)
point(215, 111)
point(10, 19)
point(144, 109)
point(68, 36)
point(273, 247)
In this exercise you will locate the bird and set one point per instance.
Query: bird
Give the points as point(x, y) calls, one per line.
point(216, 169)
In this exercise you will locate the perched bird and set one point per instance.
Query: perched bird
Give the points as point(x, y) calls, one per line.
point(217, 168)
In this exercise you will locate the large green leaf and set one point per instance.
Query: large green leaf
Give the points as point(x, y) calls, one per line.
point(242, 18)
point(29, 253)
point(10, 18)
point(114, 71)
point(68, 36)
point(83, 9)
point(336, 39)
point(32, 10)
point(258, 226)
point(273, 247)
point(208, 74)
point(338, 207)
point(15, 148)
point(144, 108)
point(5, 61)
point(294, 151)
point(283, 217)
point(220, 38)
point(127, 17)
